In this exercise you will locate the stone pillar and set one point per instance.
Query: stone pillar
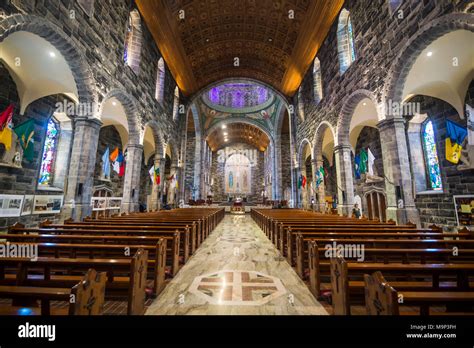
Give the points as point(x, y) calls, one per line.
point(345, 183)
point(77, 203)
point(397, 172)
point(198, 167)
point(161, 188)
point(320, 201)
point(132, 178)
point(277, 177)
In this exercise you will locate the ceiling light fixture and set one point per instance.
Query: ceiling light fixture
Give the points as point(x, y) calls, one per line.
point(429, 54)
point(224, 127)
point(52, 54)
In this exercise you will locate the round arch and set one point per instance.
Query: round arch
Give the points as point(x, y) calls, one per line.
point(319, 138)
point(80, 69)
point(404, 61)
point(347, 111)
point(131, 111)
point(301, 160)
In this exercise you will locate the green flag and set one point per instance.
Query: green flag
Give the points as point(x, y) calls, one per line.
point(363, 161)
point(25, 133)
point(300, 181)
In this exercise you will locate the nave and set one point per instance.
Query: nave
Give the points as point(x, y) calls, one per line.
point(236, 271)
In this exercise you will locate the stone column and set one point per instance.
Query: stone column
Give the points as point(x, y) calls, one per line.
point(397, 172)
point(161, 188)
point(320, 201)
point(277, 169)
point(345, 184)
point(132, 178)
point(77, 202)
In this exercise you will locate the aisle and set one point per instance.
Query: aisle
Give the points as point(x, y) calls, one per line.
point(236, 271)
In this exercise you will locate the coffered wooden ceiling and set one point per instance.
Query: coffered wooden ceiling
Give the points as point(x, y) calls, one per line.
point(238, 133)
point(271, 46)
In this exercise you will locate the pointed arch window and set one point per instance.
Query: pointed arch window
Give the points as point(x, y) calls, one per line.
point(133, 41)
point(49, 154)
point(433, 172)
point(317, 81)
point(160, 81)
point(345, 41)
point(176, 104)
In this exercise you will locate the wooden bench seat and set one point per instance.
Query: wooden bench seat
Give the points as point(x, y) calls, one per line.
point(85, 298)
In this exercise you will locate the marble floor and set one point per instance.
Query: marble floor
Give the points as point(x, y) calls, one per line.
point(236, 271)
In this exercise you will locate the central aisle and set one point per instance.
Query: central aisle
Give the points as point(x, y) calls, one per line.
point(237, 270)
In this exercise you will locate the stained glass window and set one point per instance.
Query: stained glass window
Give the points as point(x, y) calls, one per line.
point(49, 154)
point(345, 41)
point(431, 157)
point(133, 41)
point(317, 82)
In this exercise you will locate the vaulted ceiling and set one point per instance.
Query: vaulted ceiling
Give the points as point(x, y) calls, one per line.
point(271, 44)
point(238, 133)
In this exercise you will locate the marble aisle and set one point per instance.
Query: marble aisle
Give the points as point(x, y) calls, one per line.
point(236, 271)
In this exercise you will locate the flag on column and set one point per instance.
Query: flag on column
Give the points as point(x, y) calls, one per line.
point(319, 176)
point(25, 133)
point(363, 161)
point(300, 181)
point(121, 161)
point(303, 182)
point(370, 162)
point(455, 135)
point(106, 163)
point(6, 116)
point(151, 172)
point(157, 175)
point(6, 136)
point(114, 154)
point(357, 166)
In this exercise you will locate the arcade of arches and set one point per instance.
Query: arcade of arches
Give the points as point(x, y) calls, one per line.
point(124, 111)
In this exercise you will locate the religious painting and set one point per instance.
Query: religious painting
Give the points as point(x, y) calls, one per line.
point(237, 175)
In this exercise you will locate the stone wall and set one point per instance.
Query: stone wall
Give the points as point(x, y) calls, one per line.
point(100, 40)
point(189, 168)
point(21, 181)
point(439, 208)
point(285, 166)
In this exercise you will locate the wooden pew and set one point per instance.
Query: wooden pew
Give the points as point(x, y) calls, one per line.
point(382, 299)
point(52, 269)
point(410, 253)
point(173, 245)
point(342, 273)
point(156, 263)
point(85, 298)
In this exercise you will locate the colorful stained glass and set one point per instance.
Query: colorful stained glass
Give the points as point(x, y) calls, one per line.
point(238, 95)
point(431, 157)
point(350, 35)
point(49, 154)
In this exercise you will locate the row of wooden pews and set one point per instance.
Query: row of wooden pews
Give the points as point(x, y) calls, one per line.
point(135, 254)
point(333, 254)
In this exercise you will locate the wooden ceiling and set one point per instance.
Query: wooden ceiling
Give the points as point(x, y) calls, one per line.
point(238, 133)
point(272, 47)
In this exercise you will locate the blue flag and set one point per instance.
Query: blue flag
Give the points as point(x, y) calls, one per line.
point(357, 166)
point(106, 164)
point(455, 135)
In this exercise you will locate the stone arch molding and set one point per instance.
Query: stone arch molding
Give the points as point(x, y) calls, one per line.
point(319, 137)
point(398, 73)
point(301, 160)
point(130, 106)
point(347, 111)
point(160, 145)
point(80, 69)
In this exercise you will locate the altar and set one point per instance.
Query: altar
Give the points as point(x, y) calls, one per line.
point(237, 207)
